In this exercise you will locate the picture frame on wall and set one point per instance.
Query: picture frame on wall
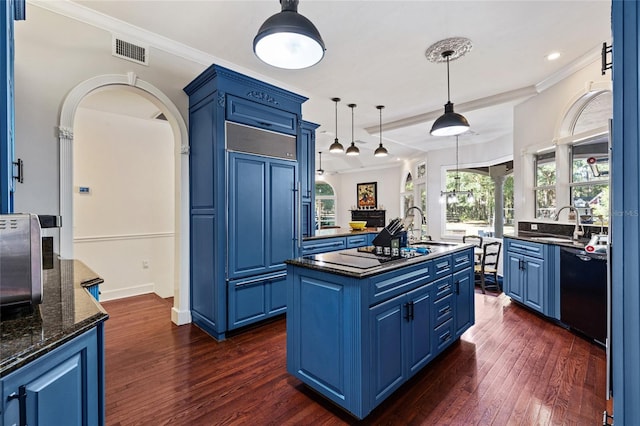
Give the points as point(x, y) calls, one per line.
point(367, 195)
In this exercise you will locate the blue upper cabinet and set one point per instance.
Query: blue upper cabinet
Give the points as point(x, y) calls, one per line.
point(307, 160)
point(10, 10)
point(245, 143)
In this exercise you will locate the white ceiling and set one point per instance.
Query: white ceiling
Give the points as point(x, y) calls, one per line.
point(375, 55)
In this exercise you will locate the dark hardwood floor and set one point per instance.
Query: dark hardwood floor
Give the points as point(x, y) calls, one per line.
point(511, 368)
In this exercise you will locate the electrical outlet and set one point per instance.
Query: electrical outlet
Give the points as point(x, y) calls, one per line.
point(534, 226)
point(145, 264)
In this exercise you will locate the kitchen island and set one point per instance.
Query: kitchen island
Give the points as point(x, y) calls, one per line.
point(52, 355)
point(360, 325)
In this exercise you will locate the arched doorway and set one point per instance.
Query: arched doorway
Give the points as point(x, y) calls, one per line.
point(180, 313)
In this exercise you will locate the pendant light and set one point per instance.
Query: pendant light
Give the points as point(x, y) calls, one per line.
point(450, 123)
point(353, 149)
point(452, 196)
point(320, 171)
point(289, 40)
point(336, 147)
point(380, 151)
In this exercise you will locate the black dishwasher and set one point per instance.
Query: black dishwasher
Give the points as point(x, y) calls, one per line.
point(583, 292)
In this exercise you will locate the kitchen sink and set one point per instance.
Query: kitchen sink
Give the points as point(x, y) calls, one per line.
point(432, 243)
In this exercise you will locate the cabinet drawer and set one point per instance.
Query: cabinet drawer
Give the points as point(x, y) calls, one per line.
point(255, 114)
point(256, 298)
point(443, 310)
point(525, 247)
point(462, 260)
point(444, 335)
point(443, 287)
point(442, 266)
point(323, 245)
point(389, 284)
point(357, 240)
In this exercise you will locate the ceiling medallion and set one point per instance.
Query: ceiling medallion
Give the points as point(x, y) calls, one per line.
point(460, 46)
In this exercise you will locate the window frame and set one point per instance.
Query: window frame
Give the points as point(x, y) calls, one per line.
point(318, 202)
point(544, 154)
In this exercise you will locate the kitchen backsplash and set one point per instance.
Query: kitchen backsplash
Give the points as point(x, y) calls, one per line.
point(547, 228)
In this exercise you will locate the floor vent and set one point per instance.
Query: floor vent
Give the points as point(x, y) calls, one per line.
point(130, 51)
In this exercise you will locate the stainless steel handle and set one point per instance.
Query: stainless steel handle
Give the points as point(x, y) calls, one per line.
point(299, 207)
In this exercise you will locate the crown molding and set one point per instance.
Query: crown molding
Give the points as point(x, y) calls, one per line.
point(583, 61)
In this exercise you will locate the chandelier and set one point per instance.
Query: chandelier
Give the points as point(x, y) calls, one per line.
point(452, 197)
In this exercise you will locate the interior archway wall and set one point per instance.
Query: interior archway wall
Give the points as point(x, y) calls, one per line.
point(180, 314)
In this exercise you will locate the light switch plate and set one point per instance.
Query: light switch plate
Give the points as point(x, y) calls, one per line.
point(534, 226)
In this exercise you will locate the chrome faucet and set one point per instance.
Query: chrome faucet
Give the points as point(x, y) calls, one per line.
point(578, 230)
point(422, 222)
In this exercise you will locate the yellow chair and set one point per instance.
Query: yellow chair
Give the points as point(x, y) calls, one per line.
point(489, 264)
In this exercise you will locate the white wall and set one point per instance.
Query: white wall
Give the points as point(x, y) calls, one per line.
point(124, 228)
point(43, 78)
point(344, 184)
point(536, 125)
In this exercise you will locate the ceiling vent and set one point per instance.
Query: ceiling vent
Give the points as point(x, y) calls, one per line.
point(130, 51)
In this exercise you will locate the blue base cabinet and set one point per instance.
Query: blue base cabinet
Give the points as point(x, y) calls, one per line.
point(65, 386)
point(247, 161)
point(531, 275)
point(357, 340)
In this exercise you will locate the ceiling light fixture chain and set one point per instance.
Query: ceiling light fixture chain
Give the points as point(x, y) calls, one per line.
point(380, 151)
point(450, 123)
point(353, 149)
point(336, 146)
point(452, 196)
point(320, 170)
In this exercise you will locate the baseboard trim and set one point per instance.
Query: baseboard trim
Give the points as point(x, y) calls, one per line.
point(106, 295)
point(179, 317)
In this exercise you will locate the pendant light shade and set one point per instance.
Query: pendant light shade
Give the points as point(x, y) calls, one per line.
point(353, 149)
point(380, 151)
point(320, 171)
point(289, 40)
point(450, 123)
point(336, 147)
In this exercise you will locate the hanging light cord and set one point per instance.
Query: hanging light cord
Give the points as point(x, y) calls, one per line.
point(352, 138)
point(336, 102)
point(457, 189)
point(448, 89)
point(380, 126)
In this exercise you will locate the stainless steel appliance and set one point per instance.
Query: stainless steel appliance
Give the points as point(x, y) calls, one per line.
point(583, 292)
point(20, 259)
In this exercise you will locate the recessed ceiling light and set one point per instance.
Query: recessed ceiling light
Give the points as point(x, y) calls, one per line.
point(553, 56)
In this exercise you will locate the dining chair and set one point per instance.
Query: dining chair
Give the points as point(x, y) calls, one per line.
point(489, 265)
point(476, 240)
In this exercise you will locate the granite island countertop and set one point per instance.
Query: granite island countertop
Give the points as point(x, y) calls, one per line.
point(340, 232)
point(558, 240)
point(362, 262)
point(67, 311)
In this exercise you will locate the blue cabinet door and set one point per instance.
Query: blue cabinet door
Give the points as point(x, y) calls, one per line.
point(262, 230)
point(62, 387)
point(513, 278)
point(281, 201)
point(9, 10)
point(419, 348)
point(534, 283)
point(463, 283)
point(388, 341)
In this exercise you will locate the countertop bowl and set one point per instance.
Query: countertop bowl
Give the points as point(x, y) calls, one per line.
point(358, 225)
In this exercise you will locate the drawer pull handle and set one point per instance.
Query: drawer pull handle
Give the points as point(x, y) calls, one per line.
point(446, 337)
point(445, 311)
point(21, 396)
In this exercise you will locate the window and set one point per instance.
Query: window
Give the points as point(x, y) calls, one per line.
point(422, 170)
point(325, 204)
point(407, 194)
point(476, 215)
point(590, 179)
point(545, 184)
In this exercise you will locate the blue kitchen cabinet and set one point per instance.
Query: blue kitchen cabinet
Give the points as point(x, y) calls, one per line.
point(261, 214)
point(463, 293)
point(323, 245)
point(244, 138)
point(306, 162)
point(359, 240)
point(65, 386)
point(530, 270)
point(255, 299)
point(356, 340)
point(10, 10)
point(400, 340)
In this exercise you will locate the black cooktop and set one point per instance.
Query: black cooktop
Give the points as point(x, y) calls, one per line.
point(360, 258)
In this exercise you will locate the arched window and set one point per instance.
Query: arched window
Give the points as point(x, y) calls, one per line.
point(406, 197)
point(325, 205)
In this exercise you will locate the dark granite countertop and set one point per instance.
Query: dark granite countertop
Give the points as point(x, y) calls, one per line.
point(558, 240)
point(362, 263)
point(340, 232)
point(67, 311)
